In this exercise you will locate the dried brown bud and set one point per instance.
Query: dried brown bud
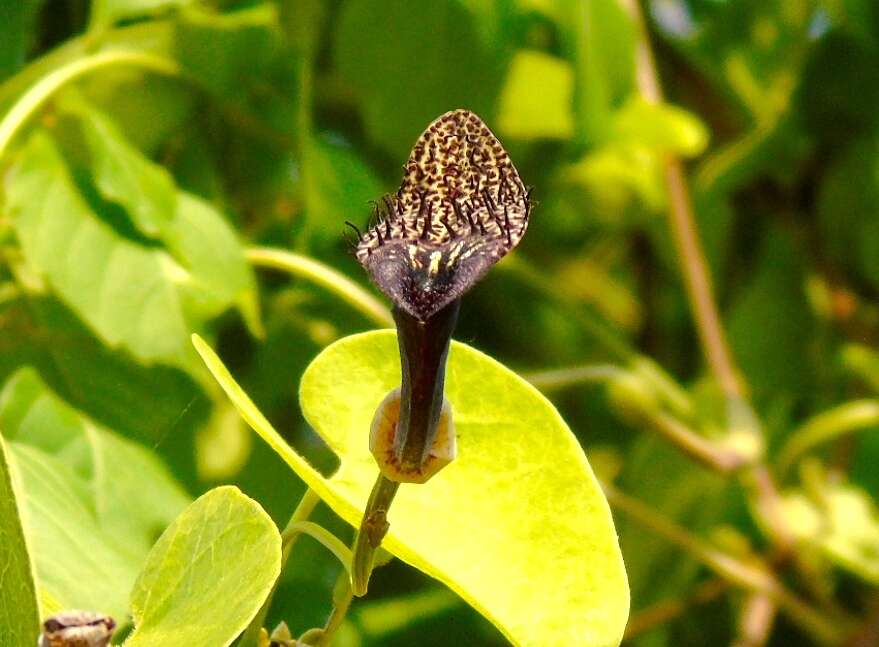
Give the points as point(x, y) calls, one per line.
point(77, 629)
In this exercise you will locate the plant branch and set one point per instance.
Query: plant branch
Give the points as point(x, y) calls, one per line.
point(683, 228)
point(701, 449)
point(307, 504)
point(667, 610)
point(324, 276)
point(844, 419)
point(554, 380)
point(758, 579)
point(342, 598)
point(34, 98)
point(323, 536)
point(372, 530)
point(742, 421)
point(755, 624)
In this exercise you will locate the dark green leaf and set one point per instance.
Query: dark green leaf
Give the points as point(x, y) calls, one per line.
point(411, 62)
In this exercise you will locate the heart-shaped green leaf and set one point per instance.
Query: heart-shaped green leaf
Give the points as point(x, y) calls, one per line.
point(517, 525)
point(208, 574)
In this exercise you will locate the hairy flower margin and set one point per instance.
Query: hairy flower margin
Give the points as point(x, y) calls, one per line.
point(461, 207)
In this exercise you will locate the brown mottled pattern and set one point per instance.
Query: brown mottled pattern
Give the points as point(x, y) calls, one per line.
point(460, 208)
point(77, 629)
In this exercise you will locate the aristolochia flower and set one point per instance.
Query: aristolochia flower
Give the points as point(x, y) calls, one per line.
point(460, 209)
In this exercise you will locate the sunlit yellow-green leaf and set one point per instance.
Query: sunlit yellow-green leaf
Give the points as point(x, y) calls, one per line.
point(208, 574)
point(536, 101)
point(517, 525)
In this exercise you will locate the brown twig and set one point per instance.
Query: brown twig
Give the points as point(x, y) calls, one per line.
point(668, 610)
point(702, 450)
point(758, 480)
point(755, 623)
point(755, 578)
point(868, 635)
point(683, 228)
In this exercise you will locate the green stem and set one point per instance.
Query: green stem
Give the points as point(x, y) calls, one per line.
point(555, 380)
point(343, 594)
point(697, 447)
point(342, 597)
point(672, 393)
point(250, 637)
point(841, 420)
point(31, 101)
point(323, 536)
point(371, 532)
point(324, 276)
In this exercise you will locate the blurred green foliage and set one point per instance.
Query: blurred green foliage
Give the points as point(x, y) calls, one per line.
point(129, 196)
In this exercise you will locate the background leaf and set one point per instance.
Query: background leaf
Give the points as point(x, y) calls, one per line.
point(525, 114)
point(16, 22)
point(105, 12)
point(133, 294)
point(843, 525)
point(193, 231)
point(339, 186)
point(89, 517)
point(125, 291)
point(601, 38)
point(433, 64)
point(208, 574)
